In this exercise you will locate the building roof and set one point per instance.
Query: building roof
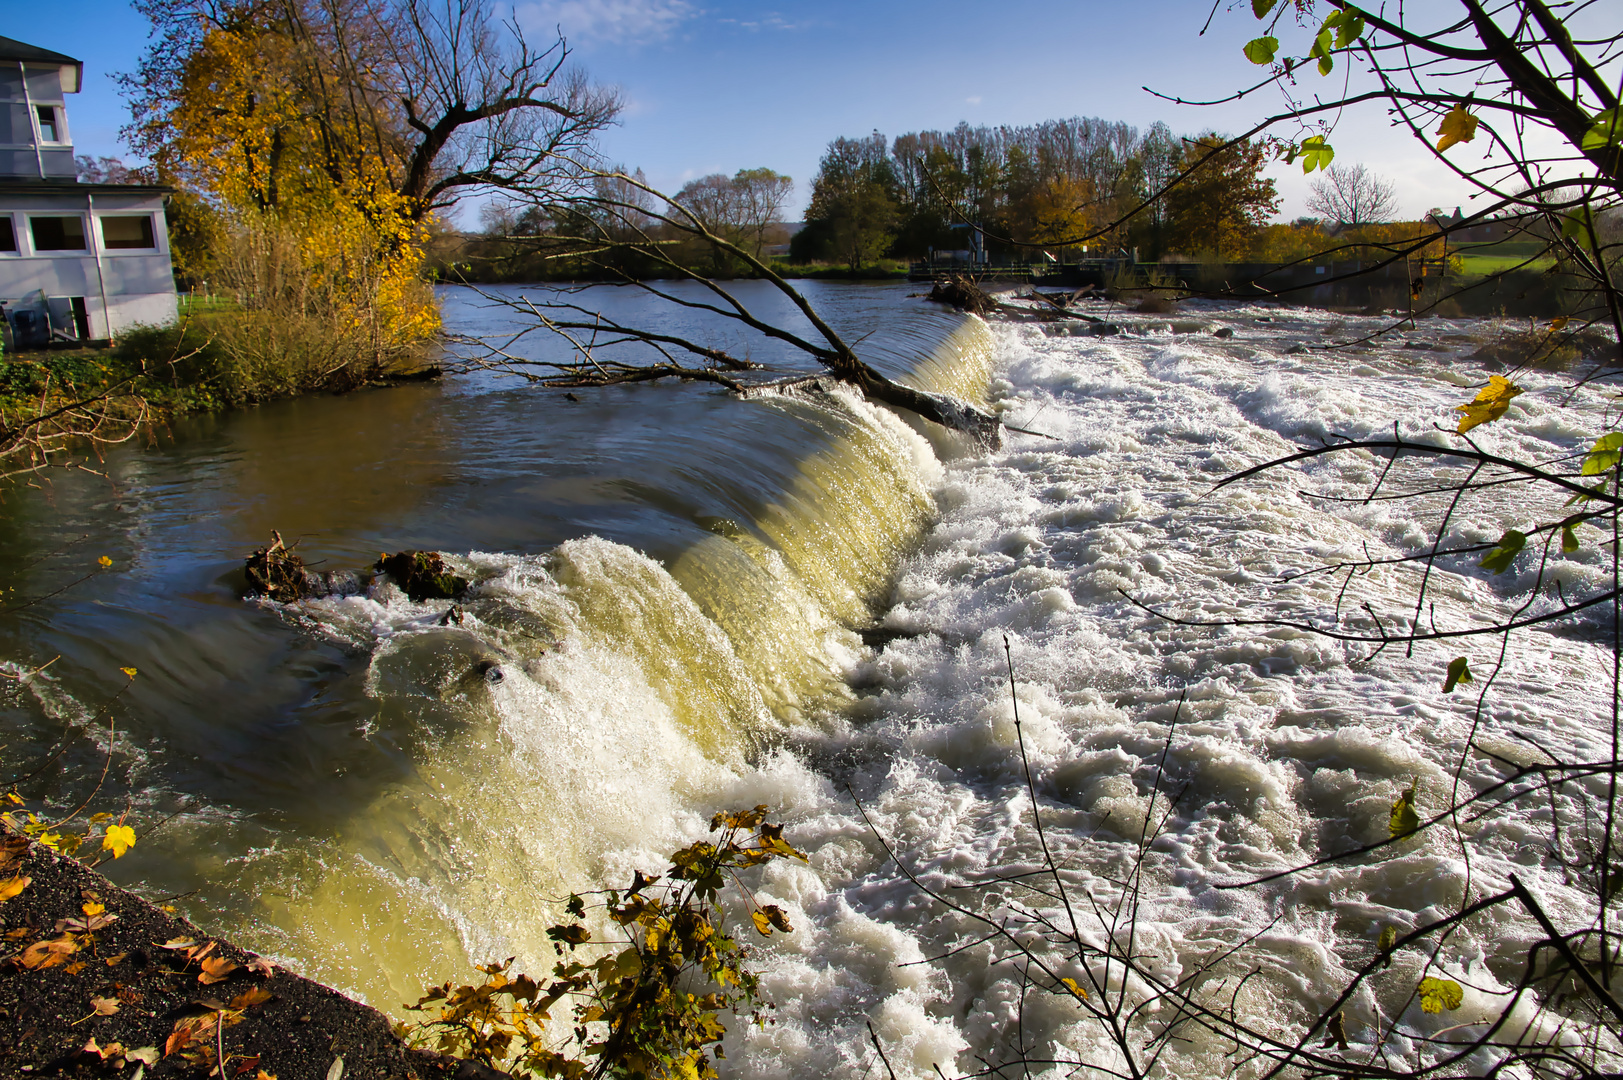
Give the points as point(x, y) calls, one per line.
point(14, 50)
point(73, 187)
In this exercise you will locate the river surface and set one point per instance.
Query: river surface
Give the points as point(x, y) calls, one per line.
point(672, 589)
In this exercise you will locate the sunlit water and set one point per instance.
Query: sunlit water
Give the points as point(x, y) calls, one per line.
point(671, 585)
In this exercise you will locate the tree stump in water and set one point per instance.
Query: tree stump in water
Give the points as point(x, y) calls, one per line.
point(423, 575)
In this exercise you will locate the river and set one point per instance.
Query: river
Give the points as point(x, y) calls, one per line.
point(672, 589)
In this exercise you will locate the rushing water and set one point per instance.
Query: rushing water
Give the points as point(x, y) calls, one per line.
point(671, 589)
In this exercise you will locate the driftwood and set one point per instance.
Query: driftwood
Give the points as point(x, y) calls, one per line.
point(276, 573)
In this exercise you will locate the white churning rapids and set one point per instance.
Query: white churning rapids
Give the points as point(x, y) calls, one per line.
point(616, 703)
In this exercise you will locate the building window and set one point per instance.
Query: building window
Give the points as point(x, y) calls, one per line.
point(8, 235)
point(58, 233)
point(127, 232)
point(48, 131)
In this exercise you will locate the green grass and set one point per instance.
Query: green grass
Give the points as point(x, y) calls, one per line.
point(1497, 263)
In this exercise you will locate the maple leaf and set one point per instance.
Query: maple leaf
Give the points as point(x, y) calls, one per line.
point(1458, 126)
point(104, 1006)
point(260, 966)
point(119, 838)
point(104, 562)
point(11, 888)
point(1489, 404)
point(147, 1055)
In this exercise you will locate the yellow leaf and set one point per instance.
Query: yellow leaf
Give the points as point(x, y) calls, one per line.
point(762, 923)
point(1489, 404)
point(92, 909)
point(11, 888)
point(129, 671)
point(105, 562)
point(119, 839)
point(1073, 987)
point(1458, 126)
point(1439, 994)
point(1404, 820)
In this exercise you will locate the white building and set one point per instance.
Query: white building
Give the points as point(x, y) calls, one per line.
point(77, 261)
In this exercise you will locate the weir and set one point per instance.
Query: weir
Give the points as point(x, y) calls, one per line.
point(600, 697)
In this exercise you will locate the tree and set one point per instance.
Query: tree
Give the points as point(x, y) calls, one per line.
point(426, 98)
point(1222, 197)
point(853, 208)
point(1351, 195)
point(761, 196)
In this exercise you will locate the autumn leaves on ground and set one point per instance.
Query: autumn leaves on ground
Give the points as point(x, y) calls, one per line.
point(95, 981)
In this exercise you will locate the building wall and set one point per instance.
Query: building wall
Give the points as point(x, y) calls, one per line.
point(120, 286)
point(27, 150)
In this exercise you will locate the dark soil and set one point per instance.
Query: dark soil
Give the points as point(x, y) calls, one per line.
point(46, 1011)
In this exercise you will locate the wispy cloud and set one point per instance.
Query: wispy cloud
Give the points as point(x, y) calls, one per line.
point(608, 22)
point(972, 100)
point(771, 21)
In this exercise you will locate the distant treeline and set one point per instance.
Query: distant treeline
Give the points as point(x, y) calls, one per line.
point(1066, 189)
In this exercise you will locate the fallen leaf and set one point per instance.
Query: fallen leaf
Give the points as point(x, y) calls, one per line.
point(87, 925)
point(92, 909)
point(75, 967)
point(11, 888)
point(1458, 126)
point(179, 943)
point(216, 969)
point(336, 1072)
point(147, 1055)
point(114, 961)
point(1489, 404)
point(48, 954)
point(104, 1006)
point(12, 850)
point(260, 966)
point(254, 995)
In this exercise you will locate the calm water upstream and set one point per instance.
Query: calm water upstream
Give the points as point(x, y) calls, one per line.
point(669, 588)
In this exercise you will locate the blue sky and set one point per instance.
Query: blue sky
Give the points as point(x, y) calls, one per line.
point(720, 86)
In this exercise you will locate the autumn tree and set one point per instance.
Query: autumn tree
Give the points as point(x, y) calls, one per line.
point(1222, 199)
point(312, 141)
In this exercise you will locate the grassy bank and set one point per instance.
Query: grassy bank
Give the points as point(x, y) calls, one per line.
point(217, 356)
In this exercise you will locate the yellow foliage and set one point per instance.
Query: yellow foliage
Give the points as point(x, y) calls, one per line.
point(312, 224)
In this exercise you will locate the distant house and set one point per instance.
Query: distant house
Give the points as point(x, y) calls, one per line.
point(78, 262)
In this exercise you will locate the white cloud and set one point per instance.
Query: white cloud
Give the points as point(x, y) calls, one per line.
point(972, 100)
point(608, 22)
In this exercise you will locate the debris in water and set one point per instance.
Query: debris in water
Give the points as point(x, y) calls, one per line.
point(276, 573)
point(423, 575)
point(961, 292)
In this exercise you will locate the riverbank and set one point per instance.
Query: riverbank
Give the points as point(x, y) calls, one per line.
point(96, 978)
